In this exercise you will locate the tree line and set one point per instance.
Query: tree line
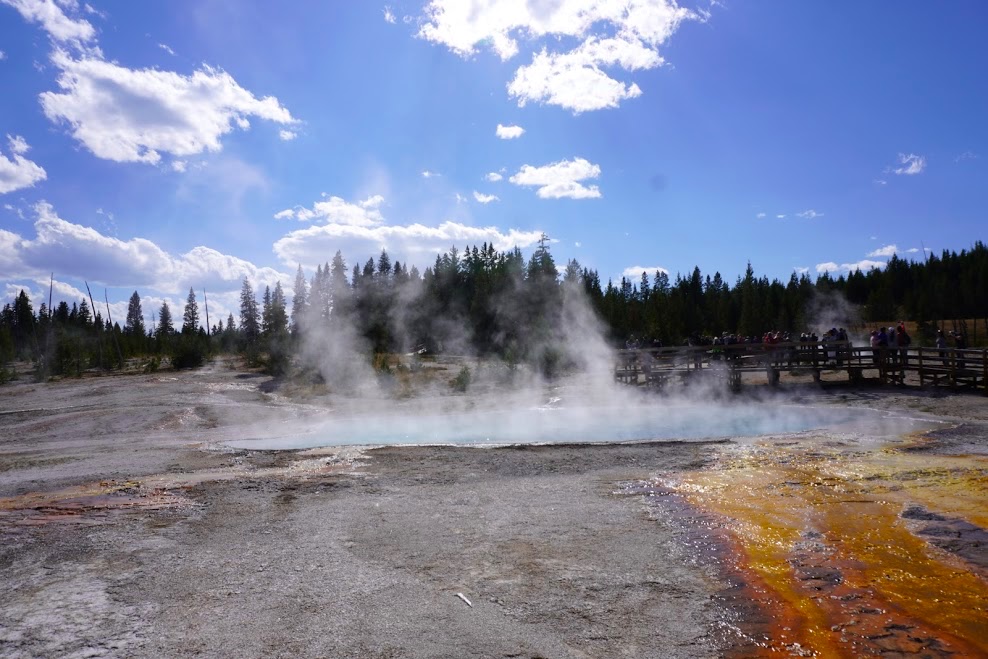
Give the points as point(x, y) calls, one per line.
point(489, 302)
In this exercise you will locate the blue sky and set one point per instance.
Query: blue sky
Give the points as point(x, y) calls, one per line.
point(155, 145)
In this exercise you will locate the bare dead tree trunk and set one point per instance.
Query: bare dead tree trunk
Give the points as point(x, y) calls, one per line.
point(205, 304)
point(116, 342)
point(51, 326)
point(99, 330)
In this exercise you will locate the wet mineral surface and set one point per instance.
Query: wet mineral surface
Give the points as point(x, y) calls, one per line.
point(127, 528)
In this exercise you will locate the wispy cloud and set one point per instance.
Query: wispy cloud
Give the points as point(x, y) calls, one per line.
point(166, 48)
point(967, 155)
point(886, 251)
point(17, 172)
point(910, 164)
point(809, 214)
point(60, 27)
point(635, 271)
point(560, 179)
point(389, 16)
point(493, 177)
point(287, 135)
point(429, 174)
point(484, 198)
point(863, 265)
point(336, 210)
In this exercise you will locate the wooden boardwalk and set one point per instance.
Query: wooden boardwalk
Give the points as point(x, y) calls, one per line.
point(662, 367)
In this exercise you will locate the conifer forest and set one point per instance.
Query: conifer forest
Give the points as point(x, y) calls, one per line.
point(486, 302)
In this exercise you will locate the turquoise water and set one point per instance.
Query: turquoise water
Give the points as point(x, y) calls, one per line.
point(567, 425)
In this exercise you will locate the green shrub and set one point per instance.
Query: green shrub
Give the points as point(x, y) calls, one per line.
point(462, 380)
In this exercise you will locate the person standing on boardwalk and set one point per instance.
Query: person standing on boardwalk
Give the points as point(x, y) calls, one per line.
point(960, 343)
point(903, 340)
point(941, 344)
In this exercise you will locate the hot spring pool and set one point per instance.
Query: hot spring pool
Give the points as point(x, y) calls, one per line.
point(559, 424)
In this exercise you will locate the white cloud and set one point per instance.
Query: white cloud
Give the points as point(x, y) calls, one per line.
point(863, 265)
point(560, 179)
point(801, 270)
point(75, 251)
point(910, 164)
point(459, 198)
point(780, 216)
point(967, 155)
point(15, 210)
point(336, 210)
point(912, 250)
point(493, 177)
point(484, 198)
point(880, 181)
point(17, 172)
point(89, 9)
point(634, 273)
point(60, 28)
point(886, 251)
point(3, 56)
point(427, 174)
point(578, 244)
point(347, 229)
point(389, 15)
point(623, 35)
point(129, 115)
point(809, 214)
point(166, 48)
point(415, 242)
point(575, 81)
point(287, 135)
point(509, 132)
point(760, 215)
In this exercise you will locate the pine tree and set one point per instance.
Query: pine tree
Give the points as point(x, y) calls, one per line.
point(278, 313)
point(266, 311)
point(190, 319)
point(165, 327)
point(299, 301)
point(339, 288)
point(24, 325)
point(134, 325)
point(250, 328)
point(84, 317)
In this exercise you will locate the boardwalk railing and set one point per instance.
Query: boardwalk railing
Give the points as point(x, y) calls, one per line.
point(656, 367)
